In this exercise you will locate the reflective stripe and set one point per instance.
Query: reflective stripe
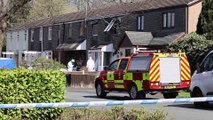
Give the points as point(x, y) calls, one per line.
point(155, 70)
point(119, 81)
point(185, 69)
point(119, 86)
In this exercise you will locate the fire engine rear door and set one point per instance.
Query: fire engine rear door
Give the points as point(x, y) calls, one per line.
point(170, 71)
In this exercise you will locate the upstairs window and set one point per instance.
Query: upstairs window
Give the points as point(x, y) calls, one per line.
point(169, 20)
point(49, 33)
point(140, 22)
point(82, 26)
point(25, 35)
point(70, 30)
point(95, 30)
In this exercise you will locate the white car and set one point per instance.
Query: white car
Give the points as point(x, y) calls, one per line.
point(202, 80)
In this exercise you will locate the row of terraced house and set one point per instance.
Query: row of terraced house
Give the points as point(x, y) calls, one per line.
point(107, 33)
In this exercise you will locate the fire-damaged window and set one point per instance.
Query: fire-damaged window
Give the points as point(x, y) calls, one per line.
point(140, 63)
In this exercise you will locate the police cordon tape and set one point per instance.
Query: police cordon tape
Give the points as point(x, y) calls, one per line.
point(105, 103)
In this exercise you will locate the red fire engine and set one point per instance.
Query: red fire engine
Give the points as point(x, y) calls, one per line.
point(146, 72)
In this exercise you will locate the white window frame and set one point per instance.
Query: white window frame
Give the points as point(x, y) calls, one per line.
point(32, 35)
point(49, 33)
point(169, 20)
point(140, 22)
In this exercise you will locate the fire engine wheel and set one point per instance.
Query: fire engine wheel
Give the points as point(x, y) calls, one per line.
point(170, 95)
point(198, 93)
point(135, 94)
point(100, 90)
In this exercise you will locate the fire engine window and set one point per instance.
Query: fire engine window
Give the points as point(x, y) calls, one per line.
point(140, 63)
point(113, 65)
point(123, 64)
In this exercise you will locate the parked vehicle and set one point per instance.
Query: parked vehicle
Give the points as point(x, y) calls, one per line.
point(146, 72)
point(202, 80)
point(7, 63)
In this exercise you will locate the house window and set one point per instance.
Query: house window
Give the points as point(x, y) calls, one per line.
point(11, 36)
point(32, 36)
point(169, 20)
point(50, 33)
point(95, 30)
point(127, 52)
point(82, 25)
point(70, 31)
point(41, 34)
point(140, 23)
point(17, 36)
point(25, 35)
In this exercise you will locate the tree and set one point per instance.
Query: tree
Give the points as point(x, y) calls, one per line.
point(205, 22)
point(43, 9)
point(7, 9)
point(195, 46)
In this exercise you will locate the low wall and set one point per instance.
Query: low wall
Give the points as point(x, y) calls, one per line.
point(79, 79)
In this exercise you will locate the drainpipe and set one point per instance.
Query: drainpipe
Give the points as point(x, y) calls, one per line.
point(187, 19)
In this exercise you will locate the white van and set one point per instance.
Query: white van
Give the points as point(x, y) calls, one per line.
point(202, 80)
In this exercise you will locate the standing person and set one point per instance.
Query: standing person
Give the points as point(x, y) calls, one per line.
point(90, 64)
point(70, 65)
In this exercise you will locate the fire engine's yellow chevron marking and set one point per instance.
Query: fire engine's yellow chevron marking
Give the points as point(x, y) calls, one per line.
point(156, 65)
point(185, 67)
point(154, 61)
point(185, 73)
point(156, 77)
point(154, 72)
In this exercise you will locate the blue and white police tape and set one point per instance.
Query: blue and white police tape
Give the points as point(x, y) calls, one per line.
point(106, 103)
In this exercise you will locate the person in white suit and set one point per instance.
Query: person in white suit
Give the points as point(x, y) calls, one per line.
point(70, 65)
point(90, 64)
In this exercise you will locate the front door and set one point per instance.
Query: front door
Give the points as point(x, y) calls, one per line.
point(119, 79)
point(110, 74)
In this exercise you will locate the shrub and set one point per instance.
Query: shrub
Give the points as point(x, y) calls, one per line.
point(116, 113)
point(42, 63)
point(30, 86)
point(195, 46)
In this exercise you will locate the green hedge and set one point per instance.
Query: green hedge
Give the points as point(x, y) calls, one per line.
point(30, 86)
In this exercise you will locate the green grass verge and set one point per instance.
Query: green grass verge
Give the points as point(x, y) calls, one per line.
point(183, 94)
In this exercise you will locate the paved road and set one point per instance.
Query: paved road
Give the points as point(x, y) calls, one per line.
point(175, 111)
